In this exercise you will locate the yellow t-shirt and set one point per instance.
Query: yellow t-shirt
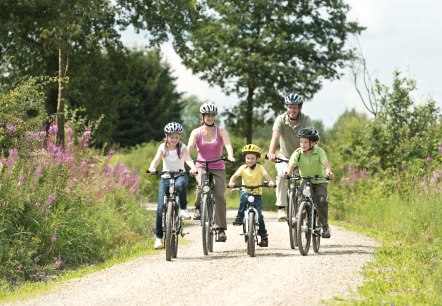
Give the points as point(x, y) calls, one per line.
point(252, 177)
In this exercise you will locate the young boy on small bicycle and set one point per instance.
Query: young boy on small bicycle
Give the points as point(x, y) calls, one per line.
point(173, 153)
point(312, 161)
point(252, 174)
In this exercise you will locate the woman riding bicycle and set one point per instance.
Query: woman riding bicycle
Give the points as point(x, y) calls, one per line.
point(312, 161)
point(252, 174)
point(173, 153)
point(210, 140)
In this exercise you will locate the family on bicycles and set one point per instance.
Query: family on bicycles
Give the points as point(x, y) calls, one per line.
point(297, 139)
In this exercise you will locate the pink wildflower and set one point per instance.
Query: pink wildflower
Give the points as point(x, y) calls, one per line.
point(53, 130)
point(10, 128)
point(58, 263)
point(38, 170)
point(51, 198)
point(429, 159)
point(54, 238)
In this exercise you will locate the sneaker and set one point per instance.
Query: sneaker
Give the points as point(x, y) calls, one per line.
point(222, 236)
point(282, 217)
point(158, 243)
point(326, 233)
point(185, 214)
point(238, 221)
point(264, 241)
point(196, 214)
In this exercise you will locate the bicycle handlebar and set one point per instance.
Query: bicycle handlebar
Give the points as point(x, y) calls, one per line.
point(213, 160)
point(277, 159)
point(251, 187)
point(171, 172)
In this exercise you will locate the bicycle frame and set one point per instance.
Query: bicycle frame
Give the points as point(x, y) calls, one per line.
point(207, 207)
point(250, 221)
point(307, 218)
point(172, 223)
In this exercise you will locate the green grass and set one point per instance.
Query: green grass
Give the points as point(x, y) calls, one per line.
point(408, 266)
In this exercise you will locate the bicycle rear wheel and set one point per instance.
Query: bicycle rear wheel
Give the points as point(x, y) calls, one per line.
point(291, 219)
point(251, 234)
point(316, 233)
point(169, 224)
point(304, 228)
point(205, 224)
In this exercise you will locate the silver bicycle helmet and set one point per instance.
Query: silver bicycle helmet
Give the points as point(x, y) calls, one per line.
point(209, 109)
point(293, 98)
point(173, 128)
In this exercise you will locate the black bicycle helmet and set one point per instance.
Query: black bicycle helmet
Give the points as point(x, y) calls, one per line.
point(309, 133)
point(293, 98)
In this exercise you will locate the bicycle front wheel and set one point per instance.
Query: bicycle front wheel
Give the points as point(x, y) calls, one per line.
point(169, 225)
point(251, 234)
point(316, 233)
point(205, 224)
point(292, 220)
point(304, 228)
point(211, 232)
point(175, 234)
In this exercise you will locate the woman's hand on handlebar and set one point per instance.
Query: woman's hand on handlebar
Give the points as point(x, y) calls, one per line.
point(231, 159)
point(230, 185)
point(193, 172)
point(271, 184)
point(151, 170)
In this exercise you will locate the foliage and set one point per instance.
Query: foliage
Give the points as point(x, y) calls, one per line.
point(134, 90)
point(259, 49)
point(61, 207)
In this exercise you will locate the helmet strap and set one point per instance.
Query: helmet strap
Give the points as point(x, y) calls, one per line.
point(252, 167)
point(209, 125)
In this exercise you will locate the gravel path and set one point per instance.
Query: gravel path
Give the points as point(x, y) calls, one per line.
point(277, 275)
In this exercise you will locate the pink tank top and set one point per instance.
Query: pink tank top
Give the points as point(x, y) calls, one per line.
point(210, 150)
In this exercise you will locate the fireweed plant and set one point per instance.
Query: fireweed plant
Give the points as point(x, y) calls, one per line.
point(62, 207)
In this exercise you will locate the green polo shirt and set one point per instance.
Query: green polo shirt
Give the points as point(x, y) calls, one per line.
point(310, 165)
point(288, 139)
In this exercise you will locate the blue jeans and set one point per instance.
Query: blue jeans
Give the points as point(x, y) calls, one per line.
point(181, 188)
point(258, 205)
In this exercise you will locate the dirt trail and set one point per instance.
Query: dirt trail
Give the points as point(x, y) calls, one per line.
point(277, 275)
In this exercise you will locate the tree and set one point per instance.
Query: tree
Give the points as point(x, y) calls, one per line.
point(262, 49)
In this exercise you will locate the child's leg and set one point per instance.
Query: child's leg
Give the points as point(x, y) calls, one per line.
point(262, 231)
point(320, 192)
point(181, 187)
point(242, 204)
point(164, 184)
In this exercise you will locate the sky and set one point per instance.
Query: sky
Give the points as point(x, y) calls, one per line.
point(402, 35)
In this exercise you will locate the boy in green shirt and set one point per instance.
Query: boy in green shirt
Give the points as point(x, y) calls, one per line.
point(312, 161)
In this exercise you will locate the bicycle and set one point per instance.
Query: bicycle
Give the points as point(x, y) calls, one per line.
point(292, 202)
point(308, 227)
point(250, 222)
point(207, 205)
point(171, 220)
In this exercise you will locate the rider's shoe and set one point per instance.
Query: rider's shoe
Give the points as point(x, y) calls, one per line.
point(264, 241)
point(326, 232)
point(158, 243)
point(222, 236)
point(282, 217)
point(185, 214)
point(196, 214)
point(238, 221)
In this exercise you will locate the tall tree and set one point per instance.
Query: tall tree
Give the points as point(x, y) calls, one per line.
point(262, 49)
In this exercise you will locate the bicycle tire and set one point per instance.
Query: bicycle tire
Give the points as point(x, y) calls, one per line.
point(211, 232)
point(291, 221)
point(169, 220)
point(176, 232)
point(304, 228)
point(251, 234)
point(205, 224)
point(316, 233)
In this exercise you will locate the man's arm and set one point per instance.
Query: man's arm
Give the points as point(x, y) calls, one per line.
point(273, 145)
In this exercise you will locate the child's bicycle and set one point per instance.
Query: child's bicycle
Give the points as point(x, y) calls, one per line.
point(292, 203)
point(308, 227)
point(172, 222)
point(207, 207)
point(250, 221)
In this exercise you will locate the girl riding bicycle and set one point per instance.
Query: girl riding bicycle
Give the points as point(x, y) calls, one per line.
point(312, 161)
point(252, 174)
point(210, 140)
point(173, 153)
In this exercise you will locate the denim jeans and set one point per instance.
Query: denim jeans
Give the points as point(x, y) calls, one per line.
point(180, 187)
point(258, 205)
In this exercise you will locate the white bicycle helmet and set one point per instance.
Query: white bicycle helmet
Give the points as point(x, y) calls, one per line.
point(173, 128)
point(208, 109)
